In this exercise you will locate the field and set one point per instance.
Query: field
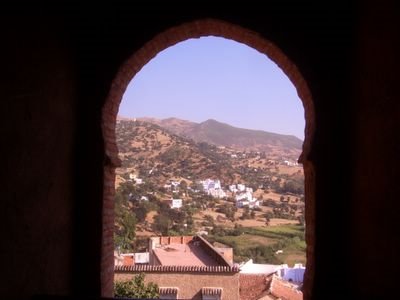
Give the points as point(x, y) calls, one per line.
point(262, 243)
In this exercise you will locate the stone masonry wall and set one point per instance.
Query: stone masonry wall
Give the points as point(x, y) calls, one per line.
point(190, 284)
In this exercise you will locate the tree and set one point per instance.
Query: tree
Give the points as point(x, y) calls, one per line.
point(136, 288)
point(228, 210)
point(126, 226)
point(128, 231)
point(162, 224)
point(238, 230)
point(208, 220)
point(268, 216)
point(183, 185)
point(141, 212)
point(246, 213)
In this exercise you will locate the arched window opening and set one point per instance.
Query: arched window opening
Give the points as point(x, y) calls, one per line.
point(190, 177)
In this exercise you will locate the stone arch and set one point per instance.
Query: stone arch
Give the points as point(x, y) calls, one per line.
point(168, 38)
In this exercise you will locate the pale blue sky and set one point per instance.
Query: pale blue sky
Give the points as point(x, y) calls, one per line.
point(216, 78)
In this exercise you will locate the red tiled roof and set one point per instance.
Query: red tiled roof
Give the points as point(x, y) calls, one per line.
point(253, 286)
point(162, 269)
point(284, 289)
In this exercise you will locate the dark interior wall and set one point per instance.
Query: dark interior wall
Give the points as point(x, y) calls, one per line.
point(38, 128)
point(375, 202)
point(57, 67)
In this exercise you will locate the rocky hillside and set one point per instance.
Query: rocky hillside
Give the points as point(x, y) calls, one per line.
point(152, 151)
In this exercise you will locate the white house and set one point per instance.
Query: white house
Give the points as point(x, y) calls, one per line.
point(254, 203)
point(213, 188)
point(176, 203)
point(141, 257)
point(251, 204)
point(175, 185)
point(217, 193)
point(241, 187)
point(295, 274)
point(250, 268)
point(290, 163)
point(242, 203)
point(210, 184)
point(233, 188)
point(246, 198)
point(135, 178)
point(249, 190)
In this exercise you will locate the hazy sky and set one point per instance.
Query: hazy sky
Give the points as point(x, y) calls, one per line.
point(216, 78)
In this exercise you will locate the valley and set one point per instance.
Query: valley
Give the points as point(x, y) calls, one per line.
point(172, 184)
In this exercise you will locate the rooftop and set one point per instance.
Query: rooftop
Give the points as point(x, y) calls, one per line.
point(250, 268)
point(190, 254)
point(175, 269)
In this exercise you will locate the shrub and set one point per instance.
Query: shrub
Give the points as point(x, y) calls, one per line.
point(136, 288)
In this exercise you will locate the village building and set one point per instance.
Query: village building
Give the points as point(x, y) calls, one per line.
point(213, 187)
point(290, 163)
point(251, 268)
point(130, 259)
point(144, 198)
point(172, 185)
point(187, 267)
point(241, 187)
point(283, 289)
point(232, 188)
point(134, 177)
point(246, 199)
point(175, 203)
point(280, 281)
point(294, 275)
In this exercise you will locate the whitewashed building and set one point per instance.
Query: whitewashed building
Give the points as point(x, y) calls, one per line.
point(176, 203)
point(246, 199)
point(241, 187)
point(213, 188)
point(295, 274)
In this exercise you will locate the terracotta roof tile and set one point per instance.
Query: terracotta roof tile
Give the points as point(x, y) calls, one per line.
point(211, 291)
point(179, 269)
point(168, 290)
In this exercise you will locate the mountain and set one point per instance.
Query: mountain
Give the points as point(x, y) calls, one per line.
point(221, 134)
point(175, 125)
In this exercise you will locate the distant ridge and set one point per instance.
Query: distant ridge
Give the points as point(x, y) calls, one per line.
point(221, 134)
